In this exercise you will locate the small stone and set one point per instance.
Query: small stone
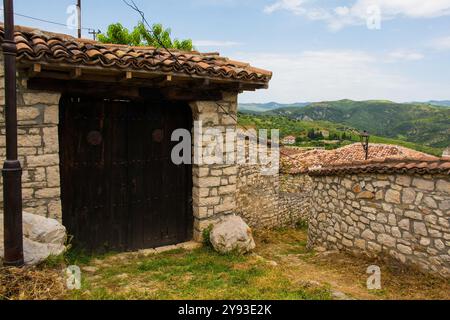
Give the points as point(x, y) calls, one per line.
point(369, 235)
point(90, 269)
point(423, 184)
point(420, 228)
point(338, 295)
point(393, 196)
point(347, 243)
point(382, 218)
point(430, 202)
point(377, 227)
point(408, 196)
point(404, 249)
point(374, 247)
point(360, 244)
point(272, 263)
point(166, 249)
point(439, 245)
point(443, 186)
point(404, 181)
point(386, 240)
point(425, 242)
point(365, 195)
point(404, 224)
point(445, 205)
point(413, 215)
point(396, 232)
point(357, 188)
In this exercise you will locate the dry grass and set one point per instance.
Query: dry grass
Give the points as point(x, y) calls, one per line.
point(347, 273)
point(280, 269)
point(30, 284)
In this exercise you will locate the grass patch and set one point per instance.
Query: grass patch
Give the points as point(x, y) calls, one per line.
point(199, 274)
point(282, 268)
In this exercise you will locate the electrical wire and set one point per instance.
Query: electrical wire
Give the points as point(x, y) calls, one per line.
point(46, 21)
point(133, 6)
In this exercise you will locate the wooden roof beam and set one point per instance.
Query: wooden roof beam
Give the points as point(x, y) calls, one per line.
point(76, 73)
point(35, 70)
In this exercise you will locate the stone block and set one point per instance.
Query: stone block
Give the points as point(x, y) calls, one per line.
point(423, 184)
point(392, 196)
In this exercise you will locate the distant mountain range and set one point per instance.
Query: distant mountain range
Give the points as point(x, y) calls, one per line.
point(443, 103)
point(263, 107)
point(421, 123)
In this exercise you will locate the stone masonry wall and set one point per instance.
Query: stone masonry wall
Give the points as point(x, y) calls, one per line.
point(274, 201)
point(257, 197)
point(38, 148)
point(399, 216)
point(214, 191)
point(295, 199)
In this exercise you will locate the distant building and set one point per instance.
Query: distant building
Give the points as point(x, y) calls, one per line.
point(446, 152)
point(289, 140)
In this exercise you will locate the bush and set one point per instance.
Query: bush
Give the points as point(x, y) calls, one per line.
point(302, 225)
point(207, 236)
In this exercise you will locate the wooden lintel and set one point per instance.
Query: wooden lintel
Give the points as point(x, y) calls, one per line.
point(106, 90)
point(76, 73)
point(99, 70)
point(128, 76)
point(35, 70)
point(182, 94)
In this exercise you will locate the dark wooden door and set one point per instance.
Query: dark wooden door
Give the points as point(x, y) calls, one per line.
point(120, 189)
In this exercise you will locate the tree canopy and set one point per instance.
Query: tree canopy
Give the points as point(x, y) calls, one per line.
point(141, 36)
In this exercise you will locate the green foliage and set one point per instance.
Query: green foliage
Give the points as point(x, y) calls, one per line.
point(303, 130)
point(206, 235)
point(302, 225)
point(141, 36)
point(417, 123)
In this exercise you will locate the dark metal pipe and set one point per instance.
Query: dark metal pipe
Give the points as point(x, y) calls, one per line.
point(79, 17)
point(12, 171)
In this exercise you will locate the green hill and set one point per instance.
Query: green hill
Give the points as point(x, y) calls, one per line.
point(417, 123)
point(325, 134)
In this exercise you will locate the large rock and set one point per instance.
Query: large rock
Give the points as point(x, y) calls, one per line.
point(42, 237)
point(232, 235)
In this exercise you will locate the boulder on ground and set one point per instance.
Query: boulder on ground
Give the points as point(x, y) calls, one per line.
point(232, 235)
point(42, 237)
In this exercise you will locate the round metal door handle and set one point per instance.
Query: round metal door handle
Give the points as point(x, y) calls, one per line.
point(94, 138)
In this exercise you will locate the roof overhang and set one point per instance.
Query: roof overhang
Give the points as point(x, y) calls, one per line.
point(60, 62)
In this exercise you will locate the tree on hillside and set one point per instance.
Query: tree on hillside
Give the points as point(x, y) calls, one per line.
point(141, 36)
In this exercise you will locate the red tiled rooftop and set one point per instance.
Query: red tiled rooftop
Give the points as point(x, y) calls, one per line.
point(296, 161)
point(35, 46)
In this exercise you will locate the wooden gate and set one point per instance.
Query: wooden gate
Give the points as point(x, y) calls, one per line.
point(120, 189)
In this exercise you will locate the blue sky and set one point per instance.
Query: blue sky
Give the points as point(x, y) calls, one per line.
point(318, 50)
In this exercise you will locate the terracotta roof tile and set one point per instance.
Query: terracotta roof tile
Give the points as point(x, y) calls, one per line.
point(382, 158)
point(35, 45)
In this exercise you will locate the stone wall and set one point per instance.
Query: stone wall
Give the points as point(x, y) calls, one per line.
point(257, 197)
point(405, 217)
point(295, 199)
point(38, 148)
point(214, 191)
point(273, 201)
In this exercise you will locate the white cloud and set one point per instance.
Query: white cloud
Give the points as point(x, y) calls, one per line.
point(295, 6)
point(361, 10)
point(334, 75)
point(441, 43)
point(404, 55)
point(215, 43)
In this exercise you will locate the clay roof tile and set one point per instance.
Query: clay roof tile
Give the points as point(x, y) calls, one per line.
point(35, 45)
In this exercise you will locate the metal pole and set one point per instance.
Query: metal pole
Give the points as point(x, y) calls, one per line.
point(12, 171)
point(79, 18)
